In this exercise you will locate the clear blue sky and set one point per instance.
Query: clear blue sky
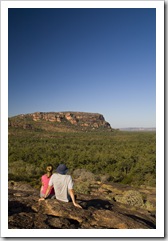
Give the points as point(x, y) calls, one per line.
point(89, 60)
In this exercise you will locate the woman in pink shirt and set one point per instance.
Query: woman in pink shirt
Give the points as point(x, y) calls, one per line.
point(45, 180)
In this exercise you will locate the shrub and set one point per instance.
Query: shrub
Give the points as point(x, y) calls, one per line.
point(84, 175)
point(105, 178)
point(131, 197)
point(82, 187)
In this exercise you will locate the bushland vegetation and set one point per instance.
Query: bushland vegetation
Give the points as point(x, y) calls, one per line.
point(123, 157)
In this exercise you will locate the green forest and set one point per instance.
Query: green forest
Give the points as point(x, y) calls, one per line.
point(122, 156)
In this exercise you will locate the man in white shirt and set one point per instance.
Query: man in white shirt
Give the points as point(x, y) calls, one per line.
point(63, 185)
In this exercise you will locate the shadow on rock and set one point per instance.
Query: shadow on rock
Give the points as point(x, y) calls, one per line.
point(96, 203)
point(17, 207)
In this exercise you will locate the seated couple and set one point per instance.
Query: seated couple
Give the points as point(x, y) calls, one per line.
point(58, 185)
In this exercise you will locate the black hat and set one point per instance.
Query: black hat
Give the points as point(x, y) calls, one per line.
point(62, 169)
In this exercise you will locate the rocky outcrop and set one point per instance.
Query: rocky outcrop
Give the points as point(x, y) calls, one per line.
point(27, 212)
point(80, 120)
point(75, 118)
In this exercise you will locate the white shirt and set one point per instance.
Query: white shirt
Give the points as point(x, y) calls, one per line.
point(61, 183)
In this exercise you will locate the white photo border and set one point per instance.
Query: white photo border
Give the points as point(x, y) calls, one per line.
point(159, 231)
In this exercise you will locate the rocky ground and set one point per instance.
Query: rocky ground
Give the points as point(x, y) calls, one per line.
point(108, 206)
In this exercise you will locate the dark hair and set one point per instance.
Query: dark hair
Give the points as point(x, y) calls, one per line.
point(49, 169)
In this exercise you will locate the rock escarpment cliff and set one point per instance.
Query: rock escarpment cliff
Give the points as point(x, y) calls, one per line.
point(78, 120)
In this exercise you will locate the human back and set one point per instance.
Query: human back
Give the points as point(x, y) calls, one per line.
point(45, 180)
point(61, 184)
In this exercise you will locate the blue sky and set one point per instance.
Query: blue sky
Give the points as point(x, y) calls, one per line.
point(89, 60)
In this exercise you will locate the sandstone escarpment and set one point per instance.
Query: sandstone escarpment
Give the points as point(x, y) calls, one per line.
point(78, 120)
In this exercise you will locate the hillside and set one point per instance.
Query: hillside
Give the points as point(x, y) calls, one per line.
point(60, 121)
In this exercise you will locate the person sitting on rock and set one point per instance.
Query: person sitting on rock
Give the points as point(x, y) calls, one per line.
point(63, 185)
point(45, 180)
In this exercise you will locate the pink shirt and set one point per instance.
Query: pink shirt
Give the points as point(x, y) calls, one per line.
point(45, 181)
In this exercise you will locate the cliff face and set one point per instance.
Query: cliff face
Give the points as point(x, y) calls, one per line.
point(81, 120)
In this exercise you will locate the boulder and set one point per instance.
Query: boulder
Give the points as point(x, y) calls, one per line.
point(26, 211)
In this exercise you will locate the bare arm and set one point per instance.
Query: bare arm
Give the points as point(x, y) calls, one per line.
point(46, 194)
point(71, 193)
point(48, 191)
